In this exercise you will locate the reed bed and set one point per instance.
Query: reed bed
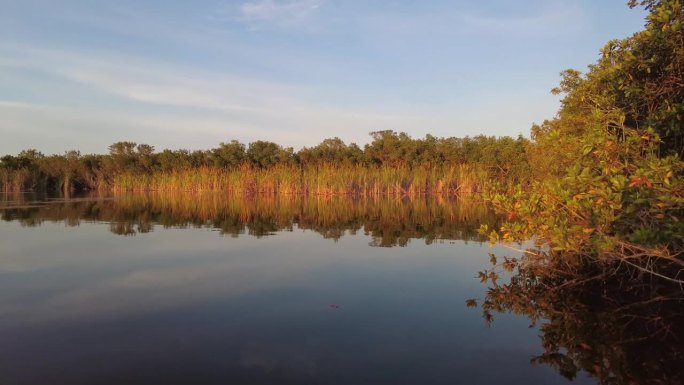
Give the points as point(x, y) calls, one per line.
point(320, 180)
point(19, 180)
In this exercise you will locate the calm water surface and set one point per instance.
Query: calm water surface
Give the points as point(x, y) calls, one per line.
point(205, 289)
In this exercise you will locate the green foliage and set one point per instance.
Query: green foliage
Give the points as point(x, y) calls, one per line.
point(609, 179)
point(616, 191)
point(267, 154)
point(331, 151)
point(168, 160)
point(642, 77)
point(229, 155)
point(605, 212)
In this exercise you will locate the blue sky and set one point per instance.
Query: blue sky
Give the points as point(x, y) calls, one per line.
point(83, 74)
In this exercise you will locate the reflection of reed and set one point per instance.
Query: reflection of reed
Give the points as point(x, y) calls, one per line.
point(389, 220)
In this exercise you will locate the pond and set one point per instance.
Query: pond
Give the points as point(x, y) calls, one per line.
point(209, 289)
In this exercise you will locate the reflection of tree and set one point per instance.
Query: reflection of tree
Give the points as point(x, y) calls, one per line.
point(619, 325)
point(122, 228)
point(261, 227)
point(390, 221)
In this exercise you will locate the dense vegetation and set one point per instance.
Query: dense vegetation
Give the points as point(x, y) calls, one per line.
point(392, 163)
point(611, 183)
point(605, 213)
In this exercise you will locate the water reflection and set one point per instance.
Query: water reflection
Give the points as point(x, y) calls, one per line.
point(616, 324)
point(177, 304)
point(81, 304)
point(389, 221)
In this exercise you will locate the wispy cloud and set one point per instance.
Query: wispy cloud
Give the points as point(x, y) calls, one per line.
point(192, 76)
point(271, 13)
point(455, 24)
point(148, 98)
point(553, 19)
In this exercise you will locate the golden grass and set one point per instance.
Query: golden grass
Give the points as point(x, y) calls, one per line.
point(323, 180)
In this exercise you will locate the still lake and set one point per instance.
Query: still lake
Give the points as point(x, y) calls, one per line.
point(208, 289)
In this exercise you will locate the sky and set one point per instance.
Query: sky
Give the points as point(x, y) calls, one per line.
point(82, 74)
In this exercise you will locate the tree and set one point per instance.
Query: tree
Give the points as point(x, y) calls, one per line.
point(612, 198)
point(229, 155)
point(65, 170)
point(145, 156)
point(264, 154)
point(331, 152)
point(391, 149)
point(122, 156)
point(642, 76)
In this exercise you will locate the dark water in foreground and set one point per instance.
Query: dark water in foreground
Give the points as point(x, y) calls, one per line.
point(213, 290)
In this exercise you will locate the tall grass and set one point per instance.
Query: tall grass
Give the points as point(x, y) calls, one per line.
point(20, 180)
point(321, 180)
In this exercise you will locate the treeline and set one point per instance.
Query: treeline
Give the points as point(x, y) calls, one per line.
point(392, 163)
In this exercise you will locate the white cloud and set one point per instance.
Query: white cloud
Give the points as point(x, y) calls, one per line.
point(554, 19)
point(169, 105)
point(88, 98)
point(271, 13)
point(460, 23)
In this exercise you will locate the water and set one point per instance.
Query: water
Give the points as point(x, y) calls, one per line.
point(205, 289)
